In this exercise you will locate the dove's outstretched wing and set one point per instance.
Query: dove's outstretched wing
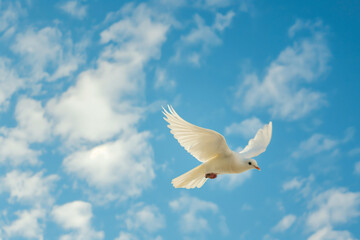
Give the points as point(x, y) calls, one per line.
point(259, 143)
point(202, 143)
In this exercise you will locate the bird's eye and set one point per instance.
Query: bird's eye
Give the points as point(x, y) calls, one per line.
point(249, 163)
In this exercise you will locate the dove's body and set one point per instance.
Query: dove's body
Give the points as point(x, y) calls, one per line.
point(226, 164)
point(210, 148)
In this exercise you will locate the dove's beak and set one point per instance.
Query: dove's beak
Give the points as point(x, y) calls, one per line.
point(257, 168)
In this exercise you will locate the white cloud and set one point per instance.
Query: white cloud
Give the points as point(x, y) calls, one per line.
point(247, 128)
point(282, 89)
point(302, 184)
point(76, 216)
point(146, 217)
point(126, 236)
point(231, 181)
point(332, 207)
point(32, 127)
point(285, 223)
point(46, 54)
point(223, 21)
point(10, 82)
point(203, 36)
point(74, 8)
point(162, 80)
point(327, 233)
point(316, 144)
point(293, 184)
point(118, 169)
point(192, 211)
point(27, 187)
point(9, 14)
point(110, 93)
point(16, 152)
point(27, 225)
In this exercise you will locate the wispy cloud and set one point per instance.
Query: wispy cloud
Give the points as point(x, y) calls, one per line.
point(285, 223)
point(201, 39)
point(320, 143)
point(142, 222)
point(316, 144)
point(146, 217)
point(282, 89)
point(328, 233)
point(357, 168)
point(333, 207)
point(302, 185)
point(10, 82)
point(247, 128)
point(192, 211)
point(231, 181)
point(162, 80)
point(75, 8)
point(9, 15)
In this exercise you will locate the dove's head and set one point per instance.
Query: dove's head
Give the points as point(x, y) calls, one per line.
point(252, 164)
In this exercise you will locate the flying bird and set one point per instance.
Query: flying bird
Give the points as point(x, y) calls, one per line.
point(210, 148)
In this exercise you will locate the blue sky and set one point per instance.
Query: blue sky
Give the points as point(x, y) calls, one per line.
point(85, 153)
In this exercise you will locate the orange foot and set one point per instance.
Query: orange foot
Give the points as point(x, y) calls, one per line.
point(211, 175)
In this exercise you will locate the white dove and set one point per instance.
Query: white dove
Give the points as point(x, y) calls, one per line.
point(210, 148)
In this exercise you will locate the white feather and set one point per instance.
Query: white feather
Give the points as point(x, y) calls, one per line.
point(210, 148)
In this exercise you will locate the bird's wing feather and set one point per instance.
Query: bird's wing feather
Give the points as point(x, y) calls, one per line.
point(202, 143)
point(259, 143)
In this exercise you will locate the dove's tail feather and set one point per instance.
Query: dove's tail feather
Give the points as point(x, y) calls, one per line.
point(191, 179)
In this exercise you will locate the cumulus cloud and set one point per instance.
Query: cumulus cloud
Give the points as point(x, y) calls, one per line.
point(76, 216)
point(285, 223)
point(33, 127)
point(141, 222)
point(74, 8)
point(29, 224)
point(333, 207)
point(145, 217)
point(110, 93)
point(247, 128)
point(192, 210)
point(46, 54)
point(282, 90)
point(118, 170)
point(27, 187)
